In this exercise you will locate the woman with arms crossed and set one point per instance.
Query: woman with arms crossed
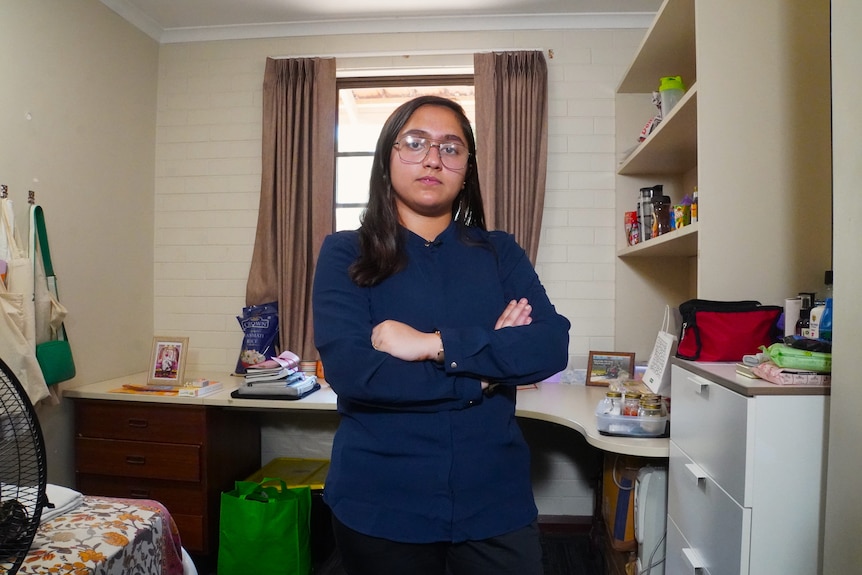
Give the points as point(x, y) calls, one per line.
point(426, 323)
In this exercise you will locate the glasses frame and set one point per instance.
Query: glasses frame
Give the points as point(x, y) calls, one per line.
point(431, 144)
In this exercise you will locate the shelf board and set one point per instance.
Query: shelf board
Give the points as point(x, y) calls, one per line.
point(678, 243)
point(672, 147)
point(668, 49)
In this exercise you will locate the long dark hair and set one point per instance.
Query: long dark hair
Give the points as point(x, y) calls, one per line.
point(381, 245)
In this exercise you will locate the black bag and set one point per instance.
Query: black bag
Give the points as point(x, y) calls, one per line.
point(725, 330)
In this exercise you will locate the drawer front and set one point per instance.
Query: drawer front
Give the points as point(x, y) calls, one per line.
point(714, 526)
point(710, 423)
point(681, 558)
point(180, 497)
point(138, 459)
point(140, 421)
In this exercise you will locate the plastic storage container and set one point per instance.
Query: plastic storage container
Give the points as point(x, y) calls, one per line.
point(629, 425)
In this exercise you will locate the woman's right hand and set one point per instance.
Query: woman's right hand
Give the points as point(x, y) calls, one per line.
point(517, 313)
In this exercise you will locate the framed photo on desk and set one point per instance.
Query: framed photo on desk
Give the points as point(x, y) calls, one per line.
point(605, 366)
point(168, 360)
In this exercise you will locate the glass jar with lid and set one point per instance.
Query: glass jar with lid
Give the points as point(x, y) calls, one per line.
point(612, 402)
point(631, 403)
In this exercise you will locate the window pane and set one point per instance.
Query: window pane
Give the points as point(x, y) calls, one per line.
point(362, 111)
point(351, 179)
point(347, 218)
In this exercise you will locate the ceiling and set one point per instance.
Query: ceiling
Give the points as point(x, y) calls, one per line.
point(195, 20)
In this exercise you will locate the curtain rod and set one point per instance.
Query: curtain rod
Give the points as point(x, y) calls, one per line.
point(394, 54)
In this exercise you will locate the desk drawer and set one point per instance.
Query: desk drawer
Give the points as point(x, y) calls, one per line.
point(138, 459)
point(711, 522)
point(140, 421)
point(178, 496)
point(710, 424)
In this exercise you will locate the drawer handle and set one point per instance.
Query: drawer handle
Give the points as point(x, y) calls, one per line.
point(699, 385)
point(694, 560)
point(138, 423)
point(140, 493)
point(697, 472)
point(136, 460)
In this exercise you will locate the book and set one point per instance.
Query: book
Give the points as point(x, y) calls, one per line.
point(277, 381)
point(170, 390)
point(271, 374)
point(292, 389)
point(192, 391)
point(199, 382)
point(746, 370)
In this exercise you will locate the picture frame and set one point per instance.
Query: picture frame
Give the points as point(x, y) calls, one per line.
point(168, 360)
point(603, 366)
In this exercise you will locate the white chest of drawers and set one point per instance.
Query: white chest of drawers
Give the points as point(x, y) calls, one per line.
point(746, 474)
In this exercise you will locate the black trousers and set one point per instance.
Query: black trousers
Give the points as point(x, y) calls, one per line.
point(515, 553)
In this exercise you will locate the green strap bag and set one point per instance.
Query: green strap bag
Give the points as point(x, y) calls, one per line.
point(265, 529)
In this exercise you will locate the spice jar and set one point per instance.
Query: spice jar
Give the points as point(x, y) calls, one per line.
point(652, 415)
point(612, 403)
point(631, 404)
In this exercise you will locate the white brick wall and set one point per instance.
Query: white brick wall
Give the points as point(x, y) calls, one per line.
point(208, 174)
point(207, 185)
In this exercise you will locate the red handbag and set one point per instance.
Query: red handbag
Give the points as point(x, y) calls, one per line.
point(725, 330)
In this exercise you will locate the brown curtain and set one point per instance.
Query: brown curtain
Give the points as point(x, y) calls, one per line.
point(296, 192)
point(512, 134)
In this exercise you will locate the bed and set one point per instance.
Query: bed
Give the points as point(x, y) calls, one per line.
point(87, 535)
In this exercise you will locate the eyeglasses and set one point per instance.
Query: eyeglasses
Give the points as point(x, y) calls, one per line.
point(414, 150)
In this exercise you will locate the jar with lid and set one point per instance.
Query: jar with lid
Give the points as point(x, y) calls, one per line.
point(652, 415)
point(631, 404)
point(612, 403)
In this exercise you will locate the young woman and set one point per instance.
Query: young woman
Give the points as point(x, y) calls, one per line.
point(426, 323)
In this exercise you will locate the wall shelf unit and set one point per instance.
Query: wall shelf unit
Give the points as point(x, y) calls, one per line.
point(752, 133)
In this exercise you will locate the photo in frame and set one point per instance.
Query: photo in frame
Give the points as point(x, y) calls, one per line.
point(168, 360)
point(605, 366)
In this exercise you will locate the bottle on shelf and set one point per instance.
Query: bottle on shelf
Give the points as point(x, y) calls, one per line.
point(671, 89)
point(694, 205)
point(645, 213)
point(661, 215)
point(826, 321)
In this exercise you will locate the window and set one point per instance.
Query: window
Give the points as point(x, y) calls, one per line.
point(363, 106)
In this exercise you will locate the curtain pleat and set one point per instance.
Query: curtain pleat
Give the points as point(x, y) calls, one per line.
point(296, 192)
point(512, 132)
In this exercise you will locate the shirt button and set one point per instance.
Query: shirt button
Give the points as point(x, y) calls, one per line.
point(453, 365)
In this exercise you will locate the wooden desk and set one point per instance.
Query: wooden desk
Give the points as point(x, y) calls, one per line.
point(569, 405)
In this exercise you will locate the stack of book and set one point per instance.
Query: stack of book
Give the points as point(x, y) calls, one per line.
point(195, 388)
point(281, 376)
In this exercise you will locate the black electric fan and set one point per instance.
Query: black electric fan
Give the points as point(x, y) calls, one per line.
point(23, 472)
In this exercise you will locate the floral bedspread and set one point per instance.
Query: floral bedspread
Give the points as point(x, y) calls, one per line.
point(107, 536)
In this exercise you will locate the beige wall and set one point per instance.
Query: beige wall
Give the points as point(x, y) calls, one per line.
point(843, 554)
point(87, 82)
point(208, 172)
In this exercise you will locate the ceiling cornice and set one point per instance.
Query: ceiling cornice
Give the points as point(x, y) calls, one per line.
point(380, 25)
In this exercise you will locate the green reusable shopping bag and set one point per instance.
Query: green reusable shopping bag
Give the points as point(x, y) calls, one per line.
point(265, 530)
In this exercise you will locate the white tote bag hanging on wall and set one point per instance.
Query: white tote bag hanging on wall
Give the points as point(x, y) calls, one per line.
point(17, 336)
point(657, 374)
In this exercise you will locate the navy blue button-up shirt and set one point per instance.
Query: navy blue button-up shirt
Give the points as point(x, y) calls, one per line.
point(421, 454)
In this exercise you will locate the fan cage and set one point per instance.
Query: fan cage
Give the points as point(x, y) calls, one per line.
point(23, 472)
